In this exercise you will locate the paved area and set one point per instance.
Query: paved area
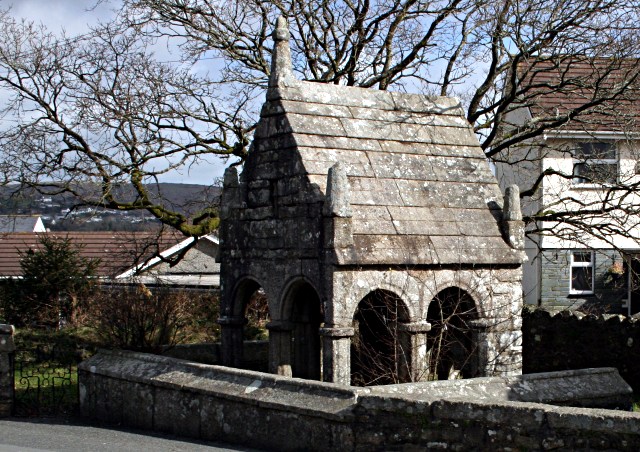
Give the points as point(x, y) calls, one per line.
point(30, 435)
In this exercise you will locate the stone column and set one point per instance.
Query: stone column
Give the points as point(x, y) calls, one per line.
point(499, 347)
point(336, 354)
point(280, 347)
point(414, 358)
point(7, 348)
point(232, 340)
point(483, 353)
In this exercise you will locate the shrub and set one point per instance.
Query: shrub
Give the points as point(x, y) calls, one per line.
point(140, 318)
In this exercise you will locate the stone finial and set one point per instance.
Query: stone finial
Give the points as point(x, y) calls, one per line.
point(511, 209)
point(512, 224)
point(230, 193)
point(230, 179)
point(281, 67)
point(337, 203)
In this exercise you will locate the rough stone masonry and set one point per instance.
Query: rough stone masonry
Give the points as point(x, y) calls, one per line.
point(348, 192)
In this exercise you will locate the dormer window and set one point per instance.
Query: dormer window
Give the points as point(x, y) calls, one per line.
point(595, 163)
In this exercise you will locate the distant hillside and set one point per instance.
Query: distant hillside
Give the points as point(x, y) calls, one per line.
point(63, 212)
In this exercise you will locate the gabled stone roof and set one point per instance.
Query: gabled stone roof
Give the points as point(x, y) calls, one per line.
point(422, 191)
point(421, 188)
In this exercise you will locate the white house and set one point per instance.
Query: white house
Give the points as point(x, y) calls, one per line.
point(589, 166)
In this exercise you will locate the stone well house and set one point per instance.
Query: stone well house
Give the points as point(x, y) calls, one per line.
point(587, 159)
point(359, 210)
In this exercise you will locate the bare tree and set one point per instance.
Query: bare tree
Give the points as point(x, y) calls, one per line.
point(498, 57)
point(99, 111)
point(100, 107)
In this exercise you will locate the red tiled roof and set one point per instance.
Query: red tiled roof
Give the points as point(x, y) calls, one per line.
point(117, 251)
point(555, 86)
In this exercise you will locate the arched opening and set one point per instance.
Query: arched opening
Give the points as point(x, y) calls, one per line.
point(451, 350)
point(305, 314)
point(379, 351)
point(256, 312)
point(248, 321)
point(252, 306)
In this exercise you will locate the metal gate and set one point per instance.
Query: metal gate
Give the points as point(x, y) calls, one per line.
point(46, 381)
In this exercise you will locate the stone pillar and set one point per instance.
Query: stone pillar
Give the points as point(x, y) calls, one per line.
point(281, 67)
point(7, 348)
point(336, 354)
point(280, 347)
point(415, 358)
point(232, 340)
point(483, 354)
point(498, 347)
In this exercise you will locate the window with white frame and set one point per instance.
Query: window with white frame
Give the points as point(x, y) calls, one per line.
point(582, 272)
point(595, 163)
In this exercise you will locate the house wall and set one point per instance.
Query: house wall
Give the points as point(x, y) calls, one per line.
point(520, 164)
point(555, 283)
point(561, 194)
point(531, 270)
point(545, 277)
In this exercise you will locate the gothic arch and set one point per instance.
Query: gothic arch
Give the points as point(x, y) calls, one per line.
point(234, 319)
point(244, 288)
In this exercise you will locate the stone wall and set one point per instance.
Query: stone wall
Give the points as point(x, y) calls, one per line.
point(7, 349)
point(273, 412)
point(572, 340)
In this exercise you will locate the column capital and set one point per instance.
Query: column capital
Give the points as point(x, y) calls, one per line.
point(280, 325)
point(232, 321)
point(421, 326)
point(337, 332)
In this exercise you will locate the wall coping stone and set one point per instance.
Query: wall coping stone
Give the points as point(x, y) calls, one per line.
point(550, 312)
point(560, 388)
point(328, 400)
point(572, 387)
